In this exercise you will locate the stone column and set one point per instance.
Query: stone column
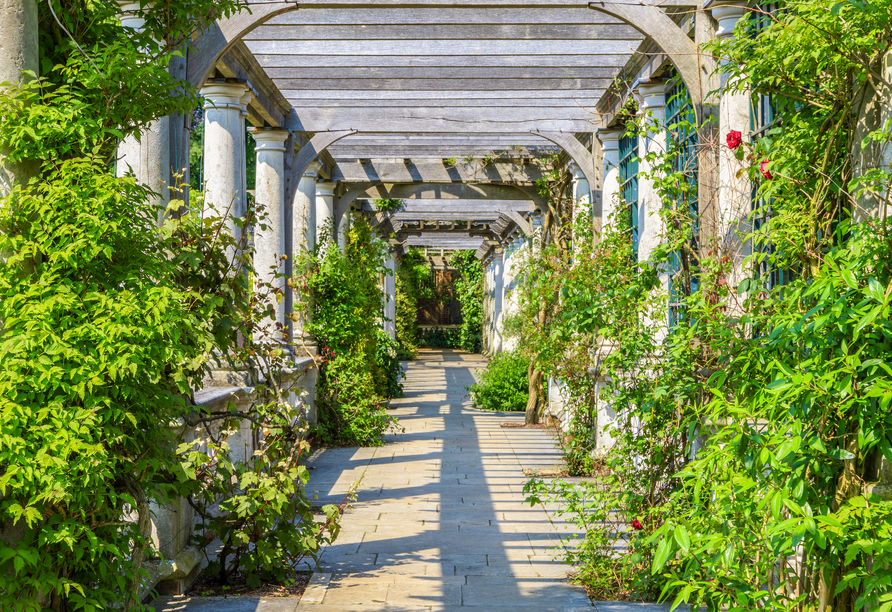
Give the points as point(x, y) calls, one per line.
point(582, 197)
point(244, 101)
point(498, 273)
point(269, 243)
point(325, 207)
point(224, 151)
point(649, 222)
point(149, 156)
point(734, 193)
point(304, 209)
point(610, 190)
point(390, 297)
point(18, 53)
point(344, 229)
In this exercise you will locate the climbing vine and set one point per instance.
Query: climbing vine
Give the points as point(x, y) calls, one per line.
point(341, 297)
point(752, 434)
point(469, 287)
point(108, 325)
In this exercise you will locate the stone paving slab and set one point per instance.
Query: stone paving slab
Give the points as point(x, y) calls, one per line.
point(440, 524)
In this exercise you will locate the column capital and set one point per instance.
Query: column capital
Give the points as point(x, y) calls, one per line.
point(224, 93)
point(325, 188)
point(312, 169)
point(129, 15)
point(609, 140)
point(268, 139)
point(727, 14)
point(576, 171)
point(653, 93)
point(245, 100)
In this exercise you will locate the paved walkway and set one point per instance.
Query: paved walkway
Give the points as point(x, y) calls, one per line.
point(440, 523)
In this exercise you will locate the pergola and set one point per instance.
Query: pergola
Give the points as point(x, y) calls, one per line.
point(454, 107)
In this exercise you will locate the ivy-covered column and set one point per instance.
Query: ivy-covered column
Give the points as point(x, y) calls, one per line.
point(224, 151)
point(325, 207)
point(269, 235)
point(18, 53)
point(149, 157)
point(653, 104)
point(734, 188)
point(390, 297)
point(610, 189)
point(304, 209)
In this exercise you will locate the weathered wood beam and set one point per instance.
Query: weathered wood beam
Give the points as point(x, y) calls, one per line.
point(444, 197)
point(312, 150)
point(390, 171)
point(433, 151)
point(442, 72)
point(524, 224)
point(262, 108)
point(570, 101)
point(438, 84)
point(449, 120)
point(576, 150)
point(532, 96)
point(467, 31)
point(214, 42)
point(413, 48)
point(613, 60)
point(323, 16)
point(473, 3)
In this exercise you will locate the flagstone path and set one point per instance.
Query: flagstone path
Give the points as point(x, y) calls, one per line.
point(440, 522)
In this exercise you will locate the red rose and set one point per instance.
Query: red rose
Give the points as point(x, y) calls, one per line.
point(765, 171)
point(734, 138)
point(636, 525)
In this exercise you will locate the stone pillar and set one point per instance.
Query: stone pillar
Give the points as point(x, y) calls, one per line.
point(734, 192)
point(18, 53)
point(269, 193)
point(224, 151)
point(610, 190)
point(344, 229)
point(149, 156)
point(649, 221)
point(390, 297)
point(244, 101)
point(304, 209)
point(498, 273)
point(582, 197)
point(325, 207)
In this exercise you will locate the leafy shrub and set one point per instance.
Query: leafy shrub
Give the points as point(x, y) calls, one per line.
point(469, 287)
point(411, 275)
point(440, 337)
point(504, 384)
point(356, 375)
point(388, 361)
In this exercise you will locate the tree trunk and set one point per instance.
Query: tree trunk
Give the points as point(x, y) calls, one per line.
point(535, 403)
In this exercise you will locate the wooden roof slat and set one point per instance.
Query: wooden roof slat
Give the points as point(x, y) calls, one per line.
point(614, 60)
point(441, 47)
point(465, 31)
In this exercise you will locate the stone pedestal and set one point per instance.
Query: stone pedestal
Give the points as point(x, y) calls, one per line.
point(269, 234)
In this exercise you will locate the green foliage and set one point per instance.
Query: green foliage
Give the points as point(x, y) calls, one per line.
point(440, 337)
point(107, 325)
point(341, 292)
point(503, 384)
point(387, 358)
point(752, 438)
point(387, 205)
point(469, 289)
point(412, 274)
